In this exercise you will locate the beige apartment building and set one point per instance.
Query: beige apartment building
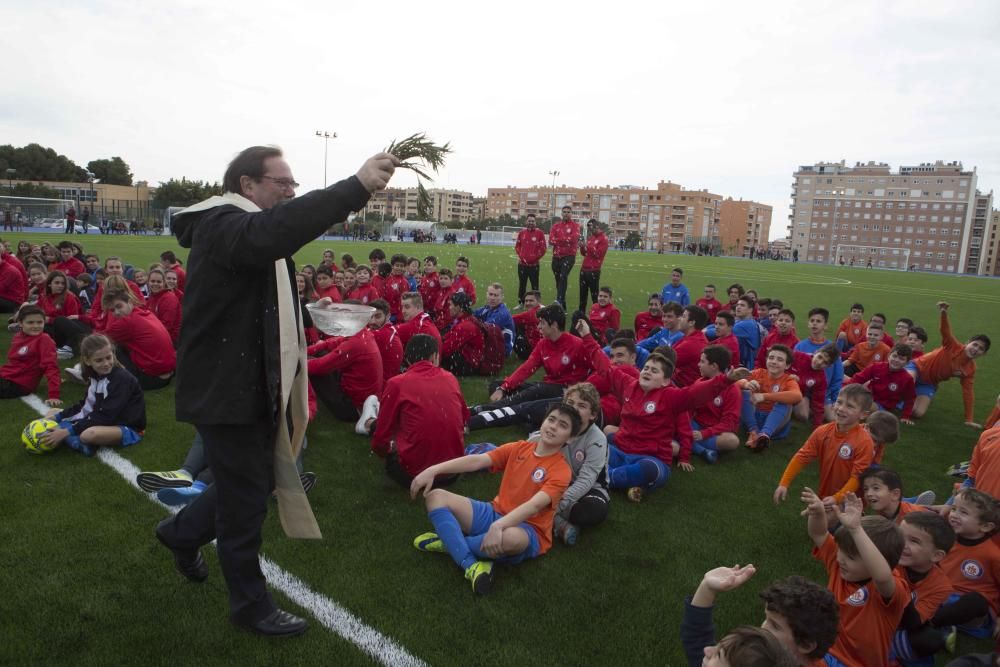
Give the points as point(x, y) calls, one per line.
point(744, 225)
point(666, 218)
point(992, 244)
point(446, 205)
point(927, 217)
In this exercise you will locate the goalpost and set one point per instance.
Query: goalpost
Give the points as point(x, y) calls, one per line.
point(878, 257)
point(35, 211)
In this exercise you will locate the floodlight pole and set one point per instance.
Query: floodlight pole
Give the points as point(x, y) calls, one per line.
point(552, 206)
point(325, 136)
point(10, 179)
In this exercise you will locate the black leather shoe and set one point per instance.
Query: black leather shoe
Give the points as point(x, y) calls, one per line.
point(191, 564)
point(278, 623)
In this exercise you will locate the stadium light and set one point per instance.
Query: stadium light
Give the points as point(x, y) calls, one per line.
point(552, 205)
point(325, 136)
point(10, 179)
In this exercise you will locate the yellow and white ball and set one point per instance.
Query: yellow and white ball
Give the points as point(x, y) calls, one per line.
point(32, 436)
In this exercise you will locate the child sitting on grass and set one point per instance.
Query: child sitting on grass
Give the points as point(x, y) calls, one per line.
point(882, 490)
point(891, 386)
point(883, 427)
point(800, 614)
point(870, 351)
point(852, 329)
point(844, 449)
point(768, 396)
point(113, 413)
point(860, 561)
point(32, 354)
point(517, 525)
point(809, 372)
point(984, 468)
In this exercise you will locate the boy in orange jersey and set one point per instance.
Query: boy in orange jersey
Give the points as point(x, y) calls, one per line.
point(927, 540)
point(872, 351)
point(517, 525)
point(860, 562)
point(952, 359)
point(882, 490)
point(843, 447)
point(768, 396)
point(973, 565)
point(852, 329)
point(984, 468)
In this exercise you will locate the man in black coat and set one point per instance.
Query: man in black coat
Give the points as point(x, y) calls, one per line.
point(238, 305)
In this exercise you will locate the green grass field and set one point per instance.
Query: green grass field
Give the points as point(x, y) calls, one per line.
point(85, 582)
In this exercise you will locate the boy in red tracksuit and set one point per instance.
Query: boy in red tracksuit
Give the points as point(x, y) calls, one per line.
point(364, 291)
point(396, 285)
point(623, 357)
point(462, 282)
point(530, 248)
point(421, 415)
point(688, 348)
point(348, 373)
point(429, 285)
point(711, 305)
point(13, 282)
point(715, 424)
point(724, 335)
point(464, 343)
point(32, 354)
point(593, 251)
point(809, 371)
point(325, 286)
point(442, 306)
point(782, 333)
point(143, 343)
point(68, 263)
point(415, 320)
point(526, 324)
point(387, 339)
point(650, 319)
point(603, 314)
point(564, 237)
point(889, 382)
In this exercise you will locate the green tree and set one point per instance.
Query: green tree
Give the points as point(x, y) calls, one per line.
point(184, 192)
point(633, 240)
point(114, 171)
point(37, 163)
point(34, 190)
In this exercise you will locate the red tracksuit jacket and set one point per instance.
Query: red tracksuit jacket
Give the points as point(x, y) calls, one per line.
point(594, 252)
point(357, 358)
point(566, 361)
point(28, 359)
point(564, 237)
point(530, 246)
point(146, 339)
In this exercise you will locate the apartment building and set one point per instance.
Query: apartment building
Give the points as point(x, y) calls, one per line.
point(991, 241)
point(446, 205)
point(926, 217)
point(743, 225)
point(668, 217)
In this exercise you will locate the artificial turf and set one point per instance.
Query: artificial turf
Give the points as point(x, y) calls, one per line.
point(84, 581)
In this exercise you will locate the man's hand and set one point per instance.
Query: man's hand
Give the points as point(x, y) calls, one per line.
point(377, 170)
point(943, 306)
point(850, 516)
point(724, 579)
point(737, 374)
point(780, 494)
point(686, 467)
point(582, 328)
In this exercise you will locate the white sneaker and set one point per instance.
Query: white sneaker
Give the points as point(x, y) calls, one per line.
point(368, 411)
point(925, 498)
point(65, 352)
point(76, 373)
point(14, 327)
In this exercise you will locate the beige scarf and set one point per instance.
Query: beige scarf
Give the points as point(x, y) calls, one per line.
point(297, 519)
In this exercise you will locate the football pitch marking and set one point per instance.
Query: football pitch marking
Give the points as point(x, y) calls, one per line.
point(329, 614)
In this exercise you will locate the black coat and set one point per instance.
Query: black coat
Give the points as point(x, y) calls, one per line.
point(228, 366)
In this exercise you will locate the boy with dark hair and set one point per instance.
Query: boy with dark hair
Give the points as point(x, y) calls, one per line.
point(852, 329)
point(797, 612)
point(714, 425)
point(464, 343)
point(871, 351)
point(530, 248)
point(375, 258)
point(648, 320)
point(809, 371)
point(880, 319)
point(622, 353)
point(883, 427)
point(724, 322)
point(669, 333)
point(517, 525)
point(32, 354)
point(891, 386)
point(711, 305)
point(768, 397)
point(68, 263)
point(688, 348)
point(429, 284)
point(675, 290)
point(818, 318)
point(748, 331)
point(419, 419)
point(916, 339)
point(604, 315)
point(882, 490)
point(347, 373)
point(860, 562)
point(526, 324)
point(325, 287)
point(395, 286)
point(442, 307)
point(782, 333)
point(387, 339)
point(462, 281)
point(952, 359)
point(972, 565)
point(843, 447)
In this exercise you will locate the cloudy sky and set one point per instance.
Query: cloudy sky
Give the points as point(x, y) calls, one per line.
point(729, 96)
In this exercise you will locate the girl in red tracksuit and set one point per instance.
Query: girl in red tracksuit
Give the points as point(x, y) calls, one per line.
point(143, 344)
point(164, 304)
point(32, 354)
point(57, 301)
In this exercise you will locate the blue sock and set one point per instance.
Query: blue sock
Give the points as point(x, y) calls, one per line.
point(475, 543)
point(748, 413)
point(776, 419)
point(709, 444)
point(640, 473)
point(447, 528)
point(77, 445)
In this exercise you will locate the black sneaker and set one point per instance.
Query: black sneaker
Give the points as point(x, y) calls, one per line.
point(308, 480)
point(278, 623)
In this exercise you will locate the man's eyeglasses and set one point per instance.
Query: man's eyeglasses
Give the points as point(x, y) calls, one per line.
point(282, 182)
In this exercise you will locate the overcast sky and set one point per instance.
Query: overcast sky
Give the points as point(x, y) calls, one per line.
point(729, 96)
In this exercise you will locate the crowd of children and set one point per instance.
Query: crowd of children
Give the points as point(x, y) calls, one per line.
point(616, 408)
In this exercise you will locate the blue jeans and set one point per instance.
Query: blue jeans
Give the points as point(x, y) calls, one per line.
point(628, 470)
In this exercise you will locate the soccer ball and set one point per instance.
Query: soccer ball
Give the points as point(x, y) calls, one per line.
point(32, 436)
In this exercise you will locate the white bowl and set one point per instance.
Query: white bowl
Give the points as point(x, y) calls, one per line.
point(340, 319)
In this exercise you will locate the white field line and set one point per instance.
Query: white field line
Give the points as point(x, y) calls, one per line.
point(329, 614)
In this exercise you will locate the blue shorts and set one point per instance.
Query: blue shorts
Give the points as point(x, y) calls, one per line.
point(129, 435)
point(833, 662)
point(984, 631)
point(484, 516)
point(923, 388)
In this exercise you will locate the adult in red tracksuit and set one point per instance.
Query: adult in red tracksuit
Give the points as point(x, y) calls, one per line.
point(689, 348)
point(593, 251)
point(421, 418)
point(349, 372)
point(420, 323)
point(530, 248)
point(464, 343)
point(564, 237)
point(143, 344)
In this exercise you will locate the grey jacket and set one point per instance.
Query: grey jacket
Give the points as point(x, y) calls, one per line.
point(587, 456)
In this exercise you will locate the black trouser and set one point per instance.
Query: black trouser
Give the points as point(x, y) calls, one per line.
point(521, 347)
point(590, 510)
point(561, 266)
point(524, 274)
point(589, 280)
point(147, 382)
point(70, 225)
point(529, 413)
point(10, 389)
point(8, 306)
point(69, 332)
point(397, 473)
point(232, 511)
point(968, 608)
point(457, 365)
point(329, 391)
